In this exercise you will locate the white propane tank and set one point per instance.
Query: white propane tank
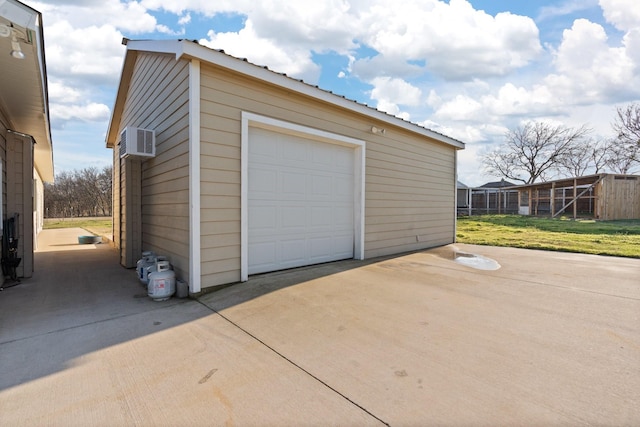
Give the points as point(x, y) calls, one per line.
point(151, 268)
point(148, 258)
point(162, 283)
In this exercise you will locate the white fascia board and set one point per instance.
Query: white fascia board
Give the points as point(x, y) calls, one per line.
point(192, 49)
point(20, 14)
point(195, 257)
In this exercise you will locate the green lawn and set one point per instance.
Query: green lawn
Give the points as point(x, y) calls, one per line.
point(97, 226)
point(618, 238)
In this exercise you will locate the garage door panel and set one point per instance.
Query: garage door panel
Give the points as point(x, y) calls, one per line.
point(293, 217)
point(263, 218)
point(262, 151)
point(343, 188)
point(341, 245)
point(292, 150)
point(263, 254)
point(320, 248)
point(343, 160)
point(264, 183)
point(321, 186)
point(321, 155)
point(292, 251)
point(293, 185)
point(343, 218)
point(307, 201)
point(321, 216)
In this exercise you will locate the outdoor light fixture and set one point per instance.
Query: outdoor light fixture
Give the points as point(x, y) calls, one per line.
point(7, 31)
point(16, 51)
point(377, 130)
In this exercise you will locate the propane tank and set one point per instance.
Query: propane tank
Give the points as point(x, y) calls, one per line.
point(148, 258)
point(162, 282)
point(153, 266)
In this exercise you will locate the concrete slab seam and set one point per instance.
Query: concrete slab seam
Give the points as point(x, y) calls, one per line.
point(282, 356)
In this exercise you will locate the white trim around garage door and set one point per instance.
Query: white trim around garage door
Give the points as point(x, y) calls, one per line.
point(255, 120)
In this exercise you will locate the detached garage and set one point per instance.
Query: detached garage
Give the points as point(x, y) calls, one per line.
point(230, 169)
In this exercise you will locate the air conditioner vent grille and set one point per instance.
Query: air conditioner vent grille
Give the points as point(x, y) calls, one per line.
point(137, 142)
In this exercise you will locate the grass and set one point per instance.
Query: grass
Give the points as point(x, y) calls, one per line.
point(616, 238)
point(97, 226)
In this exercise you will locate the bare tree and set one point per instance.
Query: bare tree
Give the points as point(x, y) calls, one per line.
point(589, 156)
point(627, 124)
point(533, 151)
point(622, 158)
point(85, 192)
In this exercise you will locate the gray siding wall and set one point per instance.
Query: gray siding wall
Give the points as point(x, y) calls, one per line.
point(410, 180)
point(3, 154)
point(19, 176)
point(17, 191)
point(157, 188)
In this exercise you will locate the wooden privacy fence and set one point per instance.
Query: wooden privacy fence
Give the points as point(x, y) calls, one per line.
point(602, 196)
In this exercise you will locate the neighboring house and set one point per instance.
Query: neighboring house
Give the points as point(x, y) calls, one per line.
point(602, 196)
point(254, 171)
point(497, 184)
point(25, 136)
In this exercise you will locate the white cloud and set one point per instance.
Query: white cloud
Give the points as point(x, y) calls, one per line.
point(589, 70)
point(93, 52)
point(623, 14)
point(130, 16)
point(461, 108)
point(184, 20)
point(90, 112)
point(567, 7)
point(390, 93)
point(261, 51)
point(456, 40)
point(511, 100)
point(387, 88)
point(60, 93)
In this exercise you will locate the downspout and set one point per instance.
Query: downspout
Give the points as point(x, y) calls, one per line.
point(194, 177)
point(455, 199)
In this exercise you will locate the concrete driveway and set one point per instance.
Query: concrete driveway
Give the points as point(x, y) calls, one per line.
point(422, 339)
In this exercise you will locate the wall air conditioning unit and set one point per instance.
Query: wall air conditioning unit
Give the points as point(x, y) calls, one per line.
point(137, 142)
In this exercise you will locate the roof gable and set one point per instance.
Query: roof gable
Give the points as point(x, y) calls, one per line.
point(185, 49)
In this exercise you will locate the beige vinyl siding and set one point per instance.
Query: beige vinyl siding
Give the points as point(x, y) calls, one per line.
point(158, 99)
point(410, 195)
point(410, 180)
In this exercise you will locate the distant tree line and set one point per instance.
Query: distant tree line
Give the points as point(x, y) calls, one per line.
point(539, 151)
point(79, 193)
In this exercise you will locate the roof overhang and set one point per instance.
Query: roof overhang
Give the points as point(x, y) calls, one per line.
point(185, 49)
point(23, 86)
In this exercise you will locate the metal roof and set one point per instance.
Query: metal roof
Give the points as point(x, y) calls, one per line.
point(570, 182)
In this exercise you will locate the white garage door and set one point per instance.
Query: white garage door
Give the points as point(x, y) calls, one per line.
point(300, 201)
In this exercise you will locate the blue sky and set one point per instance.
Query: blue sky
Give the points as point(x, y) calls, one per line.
point(471, 69)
